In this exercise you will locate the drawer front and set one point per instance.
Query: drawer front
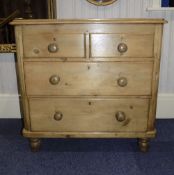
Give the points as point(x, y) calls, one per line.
point(122, 45)
point(55, 78)
point(49, 44)
point(90, 115)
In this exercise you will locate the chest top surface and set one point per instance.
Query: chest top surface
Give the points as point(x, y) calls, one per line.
point(86, 21)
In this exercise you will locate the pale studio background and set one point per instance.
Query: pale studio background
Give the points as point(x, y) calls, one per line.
point(9, 103)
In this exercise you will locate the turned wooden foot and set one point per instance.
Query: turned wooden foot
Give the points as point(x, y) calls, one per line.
point(143, 144)
point(35, 144)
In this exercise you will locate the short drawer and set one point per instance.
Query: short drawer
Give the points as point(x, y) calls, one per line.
point(107, 78)
point(49, 44)
point(88, 115)
point(121, 45)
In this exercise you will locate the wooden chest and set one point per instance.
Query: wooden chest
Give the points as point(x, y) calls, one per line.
point(89, 78)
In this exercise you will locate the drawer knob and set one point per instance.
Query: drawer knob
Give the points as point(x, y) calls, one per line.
point(122, 48)
point(122, 81)
point(54, 79)
point(58, 116)
point(120, 116)
point(53, 48)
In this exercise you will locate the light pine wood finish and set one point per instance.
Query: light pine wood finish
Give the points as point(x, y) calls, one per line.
point(83, 86)
point(88, 115)
point(41, 134)
point(88, 78)
point(21, 79)
point(89, 21)
point(106, 45)
point(81, 28)
point(155, 80)
point(43, 39)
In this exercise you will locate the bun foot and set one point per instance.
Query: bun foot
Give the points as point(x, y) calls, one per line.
point(35, 144)
point(143, 144)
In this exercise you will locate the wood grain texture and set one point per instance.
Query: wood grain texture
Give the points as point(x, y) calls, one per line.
point(78, 9)
point(106, 45)
point(88, 21)
point(126, 28)
point(21, 79)
point(95, 96)
point(87, 59)
point(88, 114)
point(36, 134)
point(88, 78)
point(121, 9)
point(67, 44)
point(155, 80)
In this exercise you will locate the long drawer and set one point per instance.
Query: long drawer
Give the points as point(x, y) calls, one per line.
point(88, 115)
point(63, 78)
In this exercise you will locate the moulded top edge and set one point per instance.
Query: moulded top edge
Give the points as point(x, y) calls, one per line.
point(88, 21)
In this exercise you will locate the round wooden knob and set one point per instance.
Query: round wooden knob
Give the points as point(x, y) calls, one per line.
point(58, 116)
point(122, 48)
point(54, 79)
point(53, 48)
point(122, 82)
point(120, 116)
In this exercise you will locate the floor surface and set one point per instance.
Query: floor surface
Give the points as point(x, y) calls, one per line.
point(85, 156)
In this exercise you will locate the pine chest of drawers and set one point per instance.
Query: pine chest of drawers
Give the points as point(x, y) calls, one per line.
point(89, 78)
